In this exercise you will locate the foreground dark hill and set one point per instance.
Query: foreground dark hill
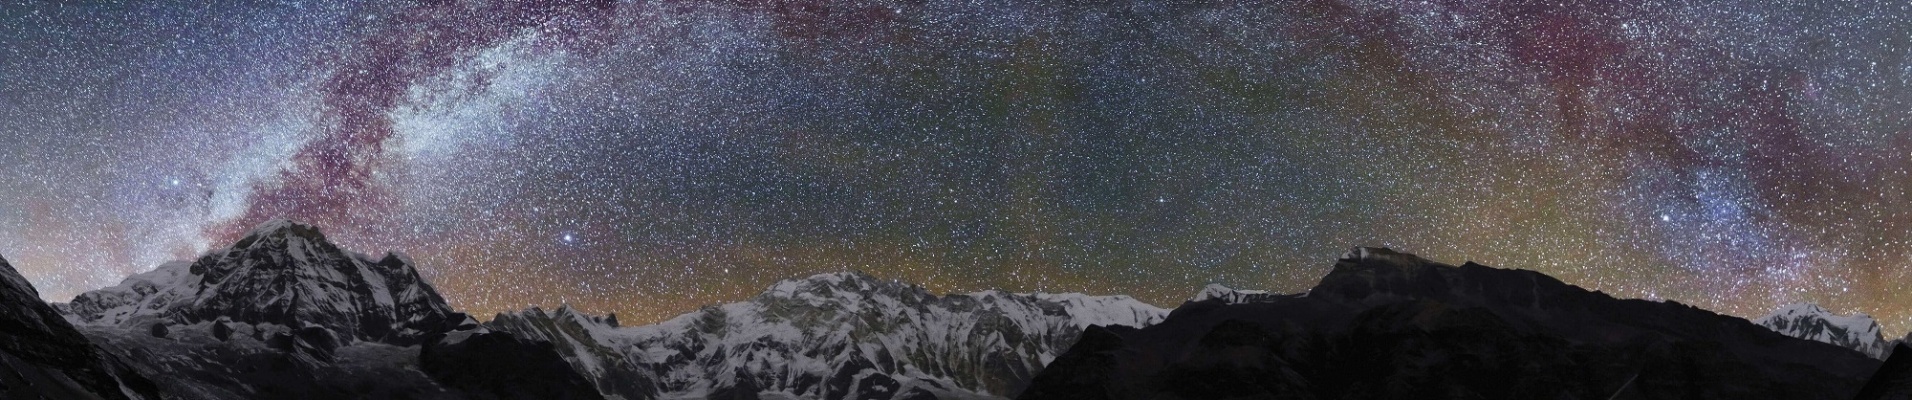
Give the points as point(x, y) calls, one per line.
point(42, 356)
point(1387, 325)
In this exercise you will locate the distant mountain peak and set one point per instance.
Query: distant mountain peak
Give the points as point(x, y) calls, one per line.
point(839, 279)
point(280, 230)
point(563, 312)
point(284, 226)
point(842, 286)
point(1379, 256)
point(855, 275)
point(1216, 291)
point(1809, 321)
point(1808, 309)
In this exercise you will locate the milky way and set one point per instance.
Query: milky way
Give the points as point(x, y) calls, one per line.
point(648, 157)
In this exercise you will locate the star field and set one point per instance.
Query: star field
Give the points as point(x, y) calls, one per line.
point(648, 157)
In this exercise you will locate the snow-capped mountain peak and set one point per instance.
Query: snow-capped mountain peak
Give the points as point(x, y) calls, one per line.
point(282, 227)
point(1810, 321)
point(842, 287)
point(283, 273)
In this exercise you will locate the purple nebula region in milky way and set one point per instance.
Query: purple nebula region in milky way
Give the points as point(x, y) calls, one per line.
point(649, 157)
point(332, 178)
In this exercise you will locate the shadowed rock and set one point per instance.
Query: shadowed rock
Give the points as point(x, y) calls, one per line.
point(1893, 381)
point(496, 365)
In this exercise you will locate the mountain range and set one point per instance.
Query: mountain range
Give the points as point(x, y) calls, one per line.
point(832, 336)
point(285, 313)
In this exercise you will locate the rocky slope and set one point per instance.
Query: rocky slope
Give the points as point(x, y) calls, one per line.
point(285, 274)
point(1386, 325)
point(1811, 322)
point(43, 356)
point(833, 336)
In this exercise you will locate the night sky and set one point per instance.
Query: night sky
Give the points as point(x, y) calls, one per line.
point(647, 157)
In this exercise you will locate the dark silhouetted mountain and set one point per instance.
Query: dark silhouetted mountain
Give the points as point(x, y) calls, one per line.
point(1893, 381)
point(833, 336)
point(1388, 325)
point(43, 356)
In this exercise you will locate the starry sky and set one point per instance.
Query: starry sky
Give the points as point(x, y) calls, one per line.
point(646, 157)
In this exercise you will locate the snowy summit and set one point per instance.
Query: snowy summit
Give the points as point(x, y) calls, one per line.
point(1811, 322)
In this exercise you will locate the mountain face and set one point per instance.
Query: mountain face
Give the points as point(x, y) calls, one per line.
point(1808, 321)
point(282, 273)
point(833, 336)
point(1386, 325)
point(43, 356)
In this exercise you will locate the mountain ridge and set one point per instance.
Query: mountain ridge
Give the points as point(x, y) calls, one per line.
point(837, 335)
point(285, 294)
point(1385, 324)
